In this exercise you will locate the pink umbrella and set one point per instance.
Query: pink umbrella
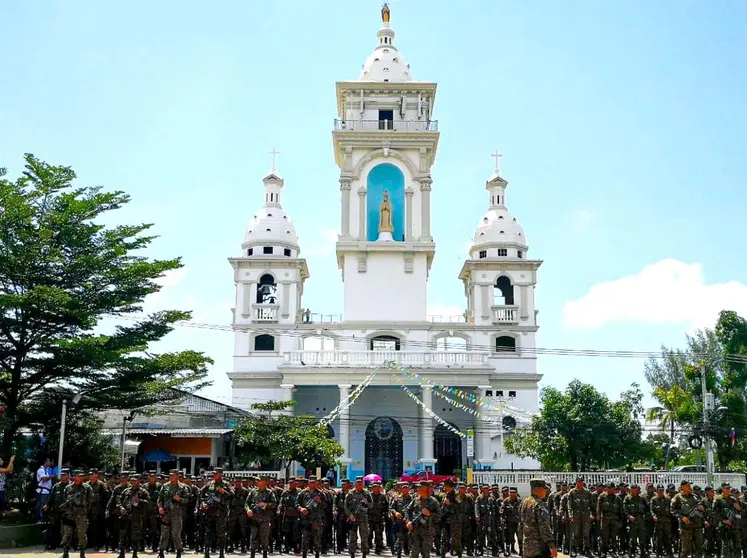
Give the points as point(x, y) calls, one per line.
point(372, 477)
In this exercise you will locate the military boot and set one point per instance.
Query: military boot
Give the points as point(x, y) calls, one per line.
point(253, 552)
point(134, 553)
point(264, 554)
point(160, 554)
point(65, 553)
point(122, 553)
point(221, 554)
point(82, 554)
point(178, 554)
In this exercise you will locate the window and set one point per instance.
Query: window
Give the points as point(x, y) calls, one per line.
point(267, 249)
point(489, 393)
point(287, 252)
point(250, 252)
point(267, 290)
point(451, 344)
point(503, 292)
point(512, 394)
point(483, 254)
point(505, 344)
point(503, 251)
point(386, 120)
point(499, 393)
point(520, 254)
point(264, 343)
point(385, 343)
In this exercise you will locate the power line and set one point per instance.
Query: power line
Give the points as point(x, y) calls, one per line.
point(429, 346)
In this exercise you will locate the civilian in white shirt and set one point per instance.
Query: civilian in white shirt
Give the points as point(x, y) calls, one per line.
point(43, 486)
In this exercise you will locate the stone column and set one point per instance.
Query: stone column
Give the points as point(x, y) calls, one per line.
point(345, 194)
point(486, 302)
point(344, 425)
point(288, 395)
point(425, 440)
point(361, 213)
point(285, 300)
point(425, 209)
point(409, 192)
point(483, 445)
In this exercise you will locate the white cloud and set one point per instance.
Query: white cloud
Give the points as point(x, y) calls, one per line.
point(169, 282)
point(581, 219)
point(323, 244)
point(666, 292)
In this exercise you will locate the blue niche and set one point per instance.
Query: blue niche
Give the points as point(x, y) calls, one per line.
point(385, 177)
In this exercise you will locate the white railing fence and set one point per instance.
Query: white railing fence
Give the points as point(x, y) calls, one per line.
point(234, 474)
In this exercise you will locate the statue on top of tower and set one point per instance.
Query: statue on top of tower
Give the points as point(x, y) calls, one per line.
point(385, 13)
point(385, 216)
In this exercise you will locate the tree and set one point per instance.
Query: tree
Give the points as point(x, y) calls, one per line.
point(285, 438)
point(722, 353)
point(61, 272)
point(671, 402)
point(581, 428)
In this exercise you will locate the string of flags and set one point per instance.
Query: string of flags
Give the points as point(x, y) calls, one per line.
point(461, 406)
point(431, 414)
point(350, 399)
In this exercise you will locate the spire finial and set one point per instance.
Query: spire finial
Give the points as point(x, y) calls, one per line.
point(497, 156)
point(274, 152)
point(385, 13)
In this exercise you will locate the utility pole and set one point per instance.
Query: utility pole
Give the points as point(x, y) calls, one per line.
point(63, 418)
point(707, 406)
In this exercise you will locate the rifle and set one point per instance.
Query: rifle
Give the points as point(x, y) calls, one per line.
point(71, 501)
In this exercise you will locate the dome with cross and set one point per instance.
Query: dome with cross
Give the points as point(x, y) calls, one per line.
point(385, 64)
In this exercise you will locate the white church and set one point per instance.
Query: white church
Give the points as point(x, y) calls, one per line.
point(385, 142)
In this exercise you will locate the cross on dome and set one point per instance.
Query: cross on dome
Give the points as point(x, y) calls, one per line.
point(497, 156)
point(274, 153)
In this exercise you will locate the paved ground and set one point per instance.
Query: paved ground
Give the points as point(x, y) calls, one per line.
point(39, 552)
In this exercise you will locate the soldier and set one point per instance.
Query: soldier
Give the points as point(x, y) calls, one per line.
point(172, 500)
point(289, 525)
point(711, 523)
point(496, 521)
point(260, 506)
point(608, 504)
point(112, 510)
point(649, 522)
point(75, 514)
point(595, 527)
point(340, 517)
point(134, 503)
point(728, 510)
point(482, 519)
point(743, 521)
point(579, 517)
point(535, 522)
point(421, 513)
point(661, 517)
point(238, 531)
point(96, 514)
point(466, 511)
point(636, 512)
point(310, 506)
point(53, 510)
point(451, 521)
point(358, 502)
point(397, 512)
point(152, 518)
point(687, 509)
point(329, 504)
point(511, 519)
point(561, 518)
point(214, 500)
point(377, 517)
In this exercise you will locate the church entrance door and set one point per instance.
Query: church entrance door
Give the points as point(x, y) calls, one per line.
point(384, 448)
point(447, 449)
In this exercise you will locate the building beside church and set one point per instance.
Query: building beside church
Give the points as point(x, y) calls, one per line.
point(385, 141)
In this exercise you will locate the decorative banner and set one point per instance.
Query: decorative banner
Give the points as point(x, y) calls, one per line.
point(350, 399)
point(458, 405)
point(430, 413)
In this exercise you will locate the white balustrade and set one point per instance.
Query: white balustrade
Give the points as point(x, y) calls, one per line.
point(265, 313)
point(377, 358)
point(505, 314)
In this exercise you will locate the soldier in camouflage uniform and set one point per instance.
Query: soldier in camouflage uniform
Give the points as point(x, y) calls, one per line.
point(53, 510)
point(685, 507)
point(377, 518)
point(215, 498)
point(112, 510)
point(535, 522)
point(134, 503)
point(172, 500)
point(289, 524)
point(260, 506)
point(608, 505)
point(421, 513)
point(561, 517)
point(482, 520)
point(728, 510)
point(596, 529)
point(511, 519)
point(238, 523)
point(661, 516)
point(451, 521)
point(397, 512)
point(153, 520)
point(578, 506)
point(636, 511)
point(358, 502)
point(496, 521)
point(340, 517)
point(310, 505)
point(74, 508)
point(97, 511)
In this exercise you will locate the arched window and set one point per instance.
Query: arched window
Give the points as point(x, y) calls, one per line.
point(267, 290)
point(385, 343)
point(503, 292)
point(264, 342)
point(456, 344)
point(505, 344)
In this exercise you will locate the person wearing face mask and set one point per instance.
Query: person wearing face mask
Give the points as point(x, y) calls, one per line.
point(686, 507)
point(74, 507)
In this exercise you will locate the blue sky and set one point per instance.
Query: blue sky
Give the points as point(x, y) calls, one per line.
point(622, 126)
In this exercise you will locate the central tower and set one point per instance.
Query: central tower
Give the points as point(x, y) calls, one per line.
point(385, 143)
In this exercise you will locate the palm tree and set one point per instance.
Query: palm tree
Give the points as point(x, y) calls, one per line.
point(672, 401)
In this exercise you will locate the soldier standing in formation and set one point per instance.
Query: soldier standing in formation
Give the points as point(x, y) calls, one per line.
point(77, 500)
point(215, 498)
point(340, 517)
point(535, 522)
point(289, 525)
point(377, 518)
point(310, 505)
point(579, 512)
point(398, 505)
point(133, 504)
point(260, 506)
point(172, 501)
point(421, 513)
point(358, 502)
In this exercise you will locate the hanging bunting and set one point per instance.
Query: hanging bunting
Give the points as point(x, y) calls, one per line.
point(463, 407)
point(431, 414)
point(350, 399)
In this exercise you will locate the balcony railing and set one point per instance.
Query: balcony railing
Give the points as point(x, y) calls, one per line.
point(386, 125)
point(317, 318)
point(505, 314)
point(377, 358)
point(265, 313)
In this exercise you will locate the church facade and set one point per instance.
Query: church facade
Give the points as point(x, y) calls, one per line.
point(385, 142)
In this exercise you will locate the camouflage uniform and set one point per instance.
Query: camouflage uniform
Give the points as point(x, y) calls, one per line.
point(357, 505)
point(511, 520)
point(96, 513)
point(661, 515)
point(215, 498)
point(399, 504)
point(172, 500)
point(313, 501)
point(422, 526)
point(467, 509)
point(290, 525)
point(636, 511)
point(54, 513)
point(262, 502)
point(451, 524)
point(377, 520)
point(134, 502)
point(152, 517)
point(536, 525)
point(75, 506)
point(609, 521)
point(496, 521)
point(579, 517)
point(238, 531)
point(727, 510)
point(685, 508)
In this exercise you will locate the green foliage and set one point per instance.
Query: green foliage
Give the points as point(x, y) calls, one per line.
point(580, 429)
point(86, 445)
point(676, 383)
point(285, 438)
point(61, 271)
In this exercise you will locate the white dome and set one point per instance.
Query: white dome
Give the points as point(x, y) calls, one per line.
point(385, 63)
point(498, 227)
point(270, 225)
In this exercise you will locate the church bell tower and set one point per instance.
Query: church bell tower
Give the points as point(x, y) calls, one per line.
point(385, 143)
